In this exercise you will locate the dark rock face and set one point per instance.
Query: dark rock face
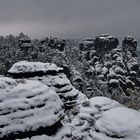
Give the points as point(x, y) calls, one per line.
point(86, 44)
point(24, 40)
point(113, 67)
point(25, 43)
point(105, 42)
point(129, 43)
point(66, 71)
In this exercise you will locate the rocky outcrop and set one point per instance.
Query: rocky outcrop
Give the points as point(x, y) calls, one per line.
point(109, 124)
point(105, 42)
point(114, 67)
point(25, 43)
point(50, 75)
point(98, 118)
point(86, 45)
point(28, 108)
point(129, 43)
point(25, 69)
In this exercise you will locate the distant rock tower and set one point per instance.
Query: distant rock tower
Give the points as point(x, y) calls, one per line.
point(25, 43)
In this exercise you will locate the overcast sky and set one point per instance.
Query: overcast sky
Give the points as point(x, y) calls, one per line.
point(70, 18)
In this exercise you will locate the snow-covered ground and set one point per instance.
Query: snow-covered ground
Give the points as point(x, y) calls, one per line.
point(99, 118)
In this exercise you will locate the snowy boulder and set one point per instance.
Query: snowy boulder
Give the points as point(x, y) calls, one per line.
point(28, 109)
point(89, 112)
point(99, 118)
point(6, 83)
point(50, 75)
point(61, 84)
point(103, 103)
point(119, 123)
point(30, 69)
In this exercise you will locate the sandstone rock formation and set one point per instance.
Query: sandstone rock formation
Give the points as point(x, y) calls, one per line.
point(28, 108)
point(50, 75)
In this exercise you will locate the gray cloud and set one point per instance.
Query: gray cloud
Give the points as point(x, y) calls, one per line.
point(70, 18)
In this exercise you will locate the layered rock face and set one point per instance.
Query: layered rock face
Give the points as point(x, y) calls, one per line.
point(25, 43)
point(28, 108)
point(129, 43)
point(105, 42)
point(115, 68)
point(86, 44)
point(50, 75)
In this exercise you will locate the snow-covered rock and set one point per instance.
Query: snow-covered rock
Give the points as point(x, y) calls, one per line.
point(99, 118)
point(50, 75)
point(103, 103)
point(120, 122)
point(29, 108)
point(83, 123)
point(6, 82)
point(25, 67)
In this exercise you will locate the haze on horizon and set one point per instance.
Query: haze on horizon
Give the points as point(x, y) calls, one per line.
point(70, 18)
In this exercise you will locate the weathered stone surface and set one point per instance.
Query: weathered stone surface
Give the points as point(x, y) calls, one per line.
point(50, 75)
point(129, 43)
point(28, 108)
point(105, 42)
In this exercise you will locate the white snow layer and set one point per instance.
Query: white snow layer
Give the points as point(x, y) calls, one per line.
point(120, 122)
point(27, 107)
point(25, 66)
point(99, 118)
